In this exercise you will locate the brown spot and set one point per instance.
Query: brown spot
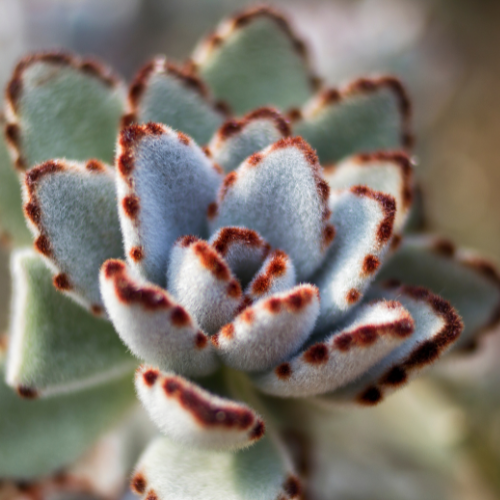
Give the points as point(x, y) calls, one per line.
point(255, 159)
point(283, 371)
point(229, 181)
point(223, 108)
point(261, 284)
point(370, 264)
point(138, 484)
point(136, 254)
point(218, 168)
point(61, 282)
point(352, 296)
point(127, 120)
point(316, 354)
point(280, 122)
point(273, 305)
point(33, 212)
point(154, 128)
point(395, 376)
point(42, 244)
point(180, 317)
point(330, 96)
point(138, 85)
point(187, 241)
point(95, 166)
point(27, 392)
point(229, 236)
point(150, 297)
point(126, 163)
point(212, 210)
point(183, 138)
point(227, 331)
point(34, 175)
point(396, 242)
point(150, 377)
point(444, 247)
point(301, 298)
point(246, 302)
point(248, 315)
point(292, 487)
point(131, 135)
point(343, 342)
point(97, 70)
point(297, 142)
point(200, 340)
point(112, 267)
point(370, 396)
point(230, 128)
point(96, 310)
point(187, 77)
point(207, 413)
point(131, 206)
point(234, 289)
point(294, 114)
point(257, 431)
point(152, 495)
point(13, 135)
point(207, 151)
point(211, 260)
point(328, 235)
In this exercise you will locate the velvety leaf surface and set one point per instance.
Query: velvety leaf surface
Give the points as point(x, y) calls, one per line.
point(437, 327)
point(270, 330)
point(263, 194)
point(55, 345)
point(468, 281)
point(38, 437)
point(165, 185)
point(255, 60)
point(388, 172)
point(364, 221)
point(13, 227)
point(366, 116)
point(193, 416)
point(342, 356)
point(71, 209)
point(164, 93)
point(169, 471)
point(236, 140)
point(61, 106)
point(152, 324)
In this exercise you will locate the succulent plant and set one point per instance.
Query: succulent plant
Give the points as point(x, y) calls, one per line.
point(252, 264)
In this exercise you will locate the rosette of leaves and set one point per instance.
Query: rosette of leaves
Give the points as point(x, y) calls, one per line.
point(238, 226)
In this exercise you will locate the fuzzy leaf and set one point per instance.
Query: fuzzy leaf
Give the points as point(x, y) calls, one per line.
point(342, 356)
point(61, 106)
point(269, 331)
point(468, 281)
point(437, 327)
point(165, 185)
point(38, 437)
point(364, 221)
point(13, 227)
point(200, 279)
point(262, 194)
point(366, 116)
point(236, 140)
point(276, 275)
point(388, 172)
point(168, 471)
point(163, 93)
point(255, 60)
point(152, 324)
point(71, 209)
point(55, 345)
point(193, 416)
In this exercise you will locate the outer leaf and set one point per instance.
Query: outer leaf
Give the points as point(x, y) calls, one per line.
point(262, 195)
point(200, 279)
point(388, 172)
point(193, 416)
point(163, 93)
point(39, 437)
point(366, 116)
point(55, 345)
point(61, 106)
point(168, 471)
point(364, 221)
point(236, 140)
point(437, 327)
point(255, 60)
point(152, 324)
point(71, 209)
point(165, 185)
point(13, 227)
point(467, 280)
point(375, 330)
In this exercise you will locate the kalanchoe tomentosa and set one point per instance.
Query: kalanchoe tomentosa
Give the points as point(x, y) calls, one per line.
point(250, 259)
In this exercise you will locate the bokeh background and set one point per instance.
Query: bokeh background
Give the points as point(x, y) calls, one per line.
point(439, 439)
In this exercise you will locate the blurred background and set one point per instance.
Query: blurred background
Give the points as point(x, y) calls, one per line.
point(440, 439)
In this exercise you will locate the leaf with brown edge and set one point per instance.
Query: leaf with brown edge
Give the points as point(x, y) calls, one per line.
point(193, 416)
point(364, 221)
point(254, 59)
point(164, 93)
point(261, 472)
point(469, 281)
point(368, 115)
point(237, 139)
point(153, 325)
point(270, 330)
point(71, 209)
point(341, 356)
point(63, 106)
point(437, 327)
point(165, 184)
